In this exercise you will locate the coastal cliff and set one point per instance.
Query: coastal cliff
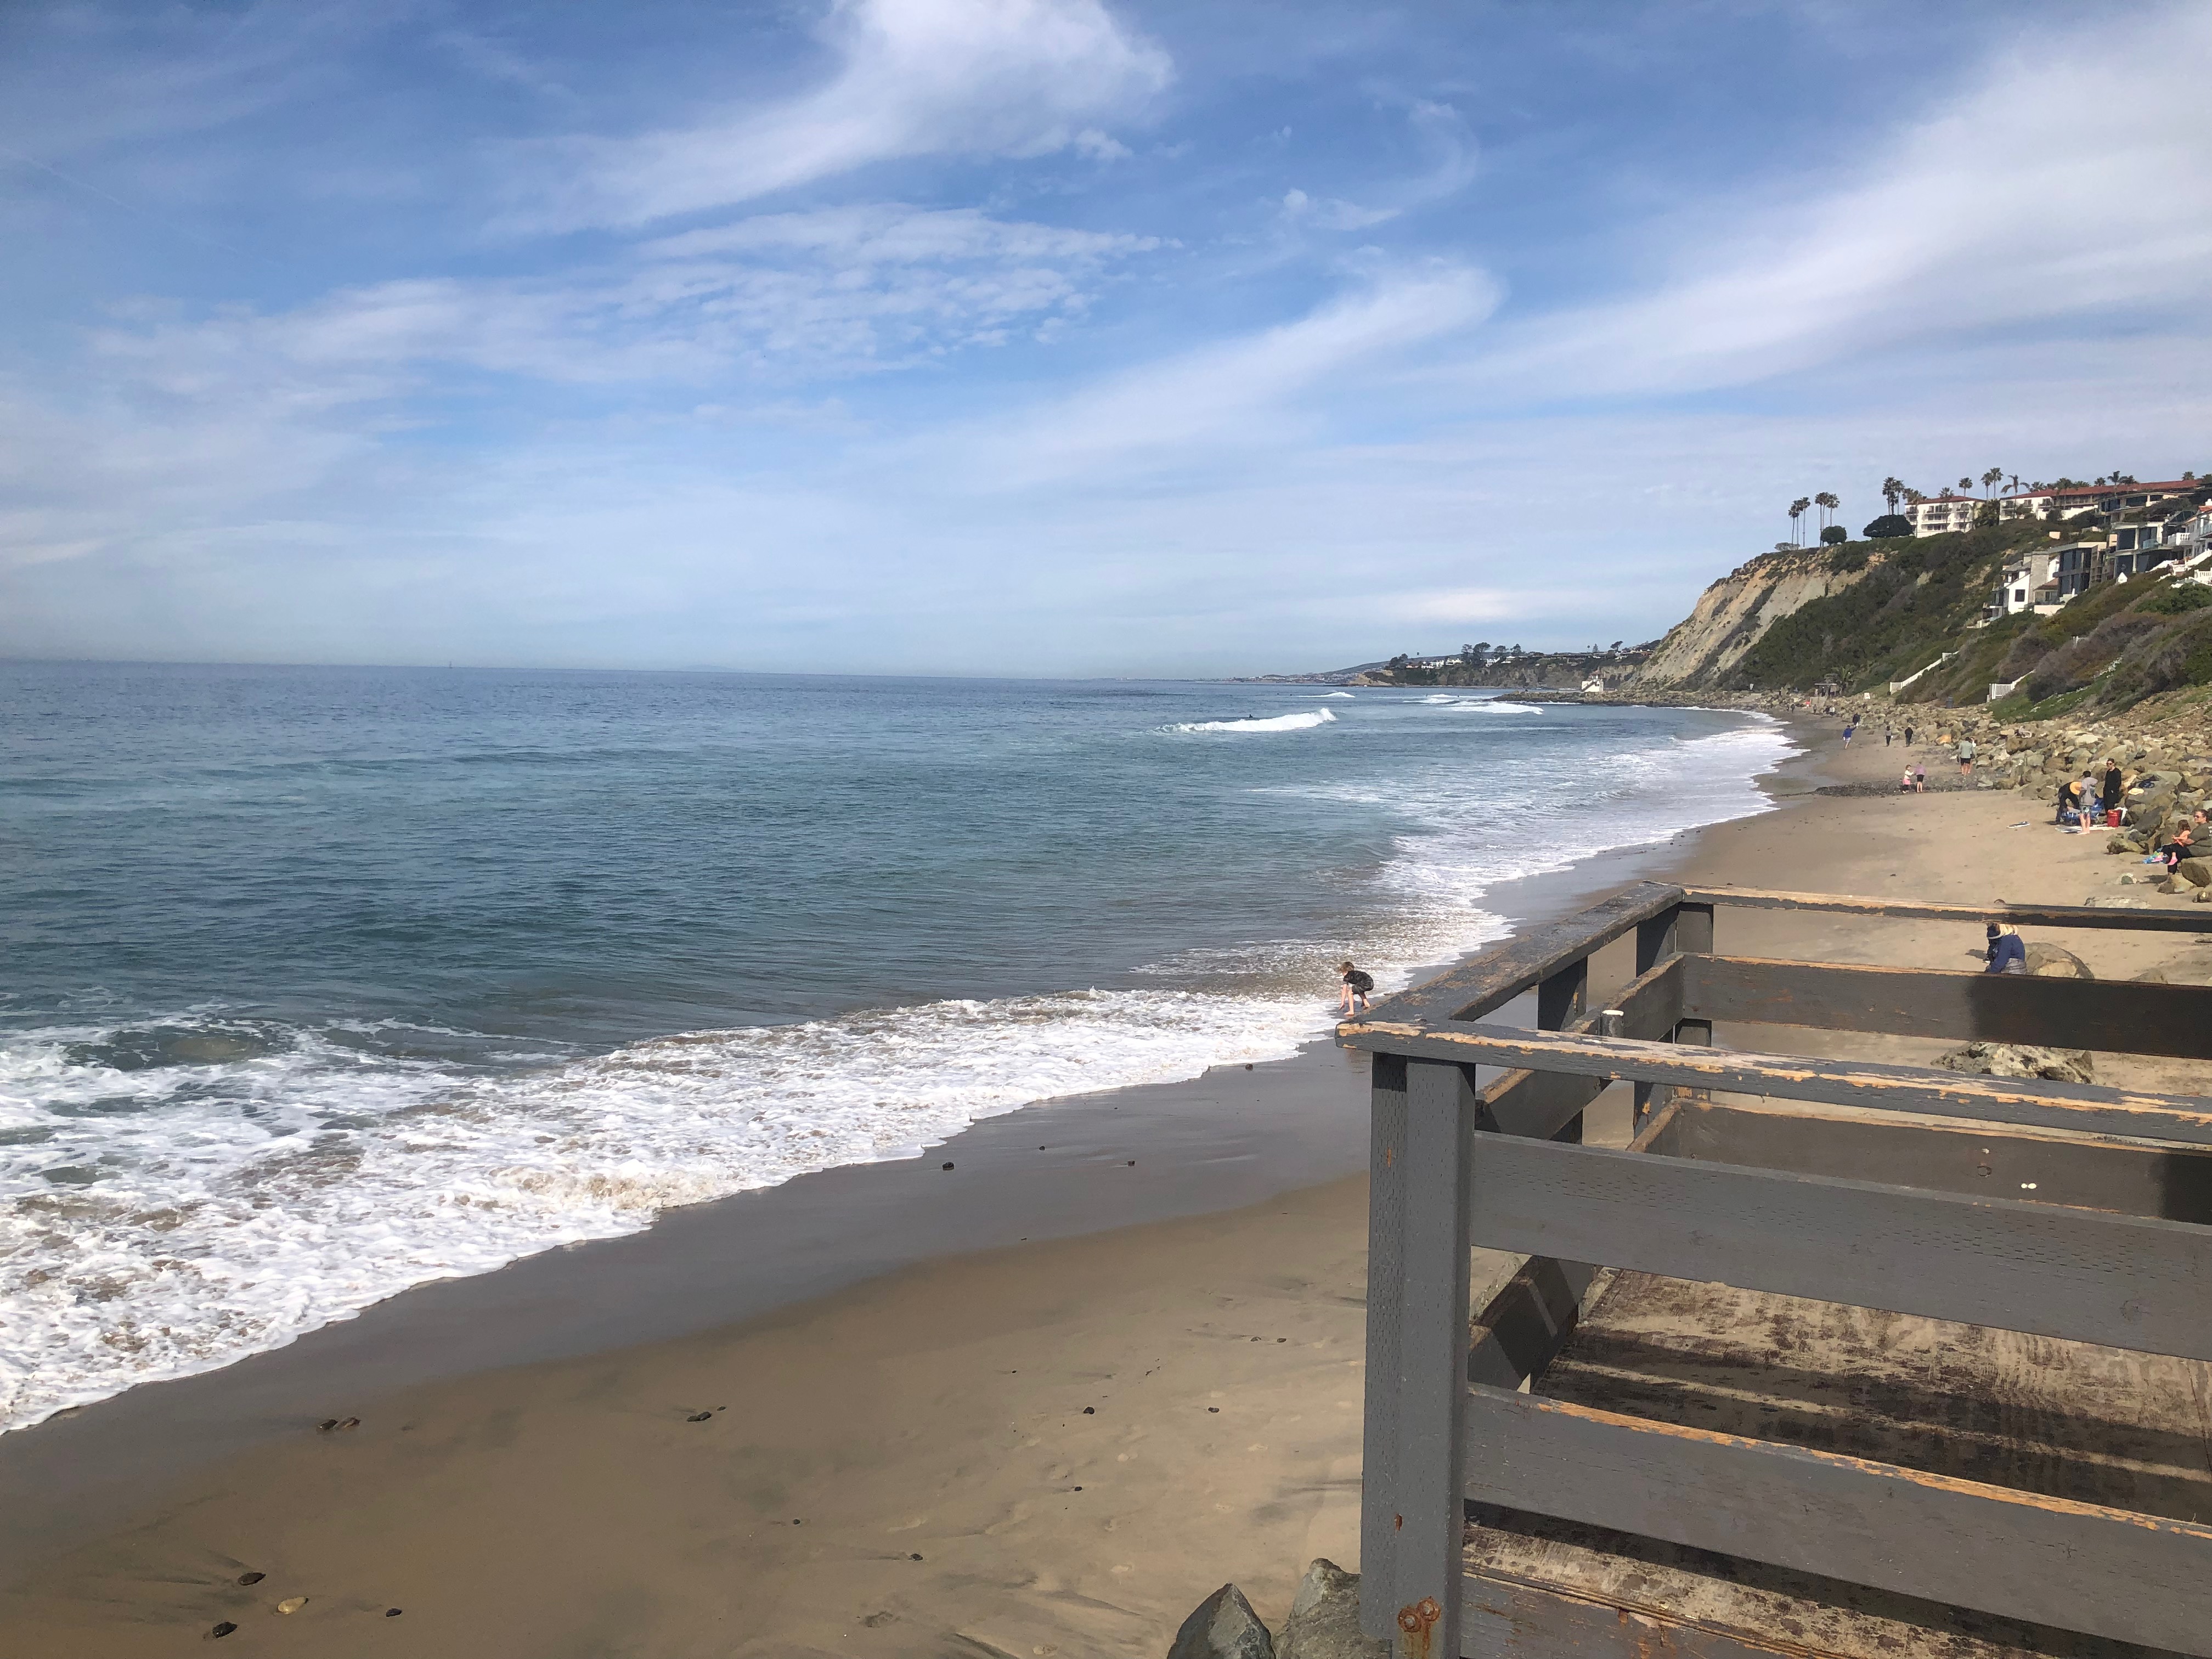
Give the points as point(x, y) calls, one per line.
point(1734, 615)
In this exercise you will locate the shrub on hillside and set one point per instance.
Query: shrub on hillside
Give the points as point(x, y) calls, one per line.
point(1835, 535)
point(2173, 655)
point(1887, 526)
point(2175, 599)
point(2078, 661)
point(2029, 649)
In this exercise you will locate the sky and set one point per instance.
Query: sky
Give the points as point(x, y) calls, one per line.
point(1048, 336)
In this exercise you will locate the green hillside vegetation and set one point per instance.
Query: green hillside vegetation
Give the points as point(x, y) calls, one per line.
point(1911, 606)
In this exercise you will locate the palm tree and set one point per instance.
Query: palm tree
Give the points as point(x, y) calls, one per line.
point(1892, 491)
point(1994, 475)
point(1827, 501)
point(1967, 484)
point(1797, 510)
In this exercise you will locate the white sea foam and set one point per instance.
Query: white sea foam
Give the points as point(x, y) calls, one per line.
point(176, 1195)
point(1336, 693)
point(1304, 722)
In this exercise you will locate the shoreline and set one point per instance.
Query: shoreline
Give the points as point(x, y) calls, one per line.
point(1203, 1145)
point(1288, 1136)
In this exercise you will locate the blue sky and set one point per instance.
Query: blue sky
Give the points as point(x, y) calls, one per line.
point(1048, 335)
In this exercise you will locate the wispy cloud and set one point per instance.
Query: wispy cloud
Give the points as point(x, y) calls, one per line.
point(2052, 188)
point(916, 78)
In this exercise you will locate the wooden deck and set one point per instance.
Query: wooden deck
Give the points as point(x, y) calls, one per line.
point(1882, 1361)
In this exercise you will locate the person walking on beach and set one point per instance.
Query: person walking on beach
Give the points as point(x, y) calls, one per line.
point(1886, 736)
point(1848, 730)
point(1357, 983)
point(1965, 753)
point(1908, 736)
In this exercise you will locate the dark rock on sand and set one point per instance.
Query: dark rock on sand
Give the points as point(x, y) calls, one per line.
point(251, 1578)
point(2019, 1059)
point(1224, 1627)
point(2195, 872)
point(1324, 1618)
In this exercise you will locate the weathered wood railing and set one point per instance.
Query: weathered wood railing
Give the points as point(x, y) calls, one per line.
point(1456, 1165)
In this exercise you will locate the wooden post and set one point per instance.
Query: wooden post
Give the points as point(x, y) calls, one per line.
point(1386, 1283)
point(1693, 932)
point(1560, 1000)
point(1416, 1604)
point(1655, 941)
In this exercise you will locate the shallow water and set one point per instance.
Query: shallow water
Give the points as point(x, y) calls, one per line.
point(319, 983)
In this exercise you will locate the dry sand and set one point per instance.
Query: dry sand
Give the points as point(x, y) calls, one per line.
point(1055, 1447)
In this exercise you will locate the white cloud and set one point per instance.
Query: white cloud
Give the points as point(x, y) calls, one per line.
point(1236, 395)
point(1326, 212)
point(2054, 189)
point(917, 78)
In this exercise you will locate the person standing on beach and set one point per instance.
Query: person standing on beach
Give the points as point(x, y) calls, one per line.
point(2115, 787)
point(1886, 735)
point(1356, 984)
point(1965, 757)
point(1848, 730)
point(1908, 736)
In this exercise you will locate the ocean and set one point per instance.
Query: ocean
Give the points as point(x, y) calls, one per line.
point(319, 983)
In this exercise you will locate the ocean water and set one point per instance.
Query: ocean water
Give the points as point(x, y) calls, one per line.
point(319, 983)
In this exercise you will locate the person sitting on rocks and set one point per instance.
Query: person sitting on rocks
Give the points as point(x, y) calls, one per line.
point(2183, 846)
point(2007, 954)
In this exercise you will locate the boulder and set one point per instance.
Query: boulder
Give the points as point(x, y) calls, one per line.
point(2119, 844)
point(2049, 962)
point(2019, 1060)
point(1324, 1619)
point(2154, 977)
point(2195, 872)
point(1223, 1627)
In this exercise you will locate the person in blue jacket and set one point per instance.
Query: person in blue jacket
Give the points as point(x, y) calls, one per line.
point(2007, 954)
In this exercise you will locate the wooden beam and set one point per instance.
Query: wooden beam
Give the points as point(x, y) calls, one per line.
point(1507, 1618)
point(1526, 1324)
point(2079, 1275)
point(1542, 1103)
point(1916, 1089)
point(2112, 1015)
point(2094, 1172)
point(1486, 983)
point(2030, 915)
point(2078, 1567)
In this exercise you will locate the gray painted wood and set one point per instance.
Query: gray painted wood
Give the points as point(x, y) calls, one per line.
point(1982, 1007)
point(2125, 1281)
point(1545, 1103)
point(1524, 1326)
point(1485, 983)
point(2028, 915)
point(2173, 1183)
point(2075, 1106)
point(1425, 1518)
point(1386, 1268)
point(2078, 1567)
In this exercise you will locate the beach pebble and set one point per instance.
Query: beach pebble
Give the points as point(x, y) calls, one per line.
point(251, 1578)
point(292, 1604)
point(223, 1629)
point(914, 1558)
point(392, 1613)
point(700, 1417)
point(949, 1166)
point(1090, 1410)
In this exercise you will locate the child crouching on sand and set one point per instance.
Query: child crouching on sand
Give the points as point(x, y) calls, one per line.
point(1357, 983)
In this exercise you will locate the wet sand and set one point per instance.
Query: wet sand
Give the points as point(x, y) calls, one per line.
point(1078, 1433)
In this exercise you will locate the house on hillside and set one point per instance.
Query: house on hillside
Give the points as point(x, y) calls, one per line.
point(1942, 515)
point(2077, 567)
point(2025, 573)
point(2075, 500)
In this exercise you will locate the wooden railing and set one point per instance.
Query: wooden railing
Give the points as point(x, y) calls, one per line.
point(1501, 1165)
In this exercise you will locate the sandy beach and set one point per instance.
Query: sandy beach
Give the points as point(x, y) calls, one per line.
point(1042, 1405)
